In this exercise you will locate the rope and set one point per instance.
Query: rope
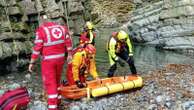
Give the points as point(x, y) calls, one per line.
point(66, 15)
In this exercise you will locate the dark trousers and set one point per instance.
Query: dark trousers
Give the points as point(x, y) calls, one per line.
point(125, 56)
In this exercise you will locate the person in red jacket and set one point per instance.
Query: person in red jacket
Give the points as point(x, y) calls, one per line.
point(52, 42)
point(88, 34)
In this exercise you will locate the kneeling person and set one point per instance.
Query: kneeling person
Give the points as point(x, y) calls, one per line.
point(83, 64)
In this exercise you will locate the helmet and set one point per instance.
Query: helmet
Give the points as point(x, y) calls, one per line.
point(45, 17)
point(90, 49)
point(122, 35)
point(89, 25)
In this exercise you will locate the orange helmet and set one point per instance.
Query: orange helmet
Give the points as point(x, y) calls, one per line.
point(90, 49)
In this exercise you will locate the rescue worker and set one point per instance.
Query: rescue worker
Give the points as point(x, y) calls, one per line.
point(83, 64)
point(119, 47)
point(88, 33)
point(52, 42)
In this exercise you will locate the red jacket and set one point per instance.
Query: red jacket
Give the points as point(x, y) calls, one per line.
point(86, 37)
point(52, 41)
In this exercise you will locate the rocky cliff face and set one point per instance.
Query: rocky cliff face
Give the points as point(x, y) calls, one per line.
point(167, 23)
point(19, 19)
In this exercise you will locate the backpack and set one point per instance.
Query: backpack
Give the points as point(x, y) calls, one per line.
point(14, 99)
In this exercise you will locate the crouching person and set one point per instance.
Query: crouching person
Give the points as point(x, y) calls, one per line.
point(119, 47)
point(83, 64)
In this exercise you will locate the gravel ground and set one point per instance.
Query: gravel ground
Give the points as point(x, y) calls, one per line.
point(170, 88)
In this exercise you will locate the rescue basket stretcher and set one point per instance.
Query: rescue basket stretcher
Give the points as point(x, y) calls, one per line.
point(102, 87)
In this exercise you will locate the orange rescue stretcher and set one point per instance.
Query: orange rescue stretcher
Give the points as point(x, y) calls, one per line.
point(102, 87)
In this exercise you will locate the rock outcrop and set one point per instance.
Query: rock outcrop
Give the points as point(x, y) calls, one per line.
point(168, 24)
point(20, 18)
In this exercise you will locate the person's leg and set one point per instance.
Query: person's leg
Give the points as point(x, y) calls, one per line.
point(59, 71)
point(130, 61)
point(112, 68)
point(124, 55)
point(50, 83)
point(69, 75)
point(82, 78)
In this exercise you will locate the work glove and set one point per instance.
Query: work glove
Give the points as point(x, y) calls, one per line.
point(122, 64)
point(79, 84)
point(82, 70)
point(130, 60)
point(130, 56)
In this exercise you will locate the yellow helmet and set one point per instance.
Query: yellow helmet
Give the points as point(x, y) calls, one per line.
point(89, 25)
point(122, 35)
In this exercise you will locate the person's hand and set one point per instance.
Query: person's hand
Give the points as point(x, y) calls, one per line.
point(122, 64)
point(31, 67)
point(98, 80)
point(69, 59)
point(79, 84)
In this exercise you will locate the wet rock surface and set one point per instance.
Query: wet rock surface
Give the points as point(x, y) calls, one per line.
point(167, 23)
point(169, 88)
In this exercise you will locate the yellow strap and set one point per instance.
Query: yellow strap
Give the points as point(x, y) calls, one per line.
point(88, 93)
point(91, 36)
point(15, 106)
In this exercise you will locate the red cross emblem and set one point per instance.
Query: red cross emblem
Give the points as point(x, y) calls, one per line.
point(56, 32)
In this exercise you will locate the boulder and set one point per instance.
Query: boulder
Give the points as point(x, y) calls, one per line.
point(11, 36)
point(5, 26)
point(29, 7)
point(15, 11)
point(167, 22)
point(51, 6)
point(7, 50)
point(75, 6)
point(20, 27)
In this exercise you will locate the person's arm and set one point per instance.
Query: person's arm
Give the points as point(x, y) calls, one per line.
point(91, 36)
point(112, 45)
point(36, 50)
point(68, 45)
point(130, 47)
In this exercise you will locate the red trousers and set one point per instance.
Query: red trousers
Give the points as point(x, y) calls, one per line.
point(69, 75)
point(51, 76)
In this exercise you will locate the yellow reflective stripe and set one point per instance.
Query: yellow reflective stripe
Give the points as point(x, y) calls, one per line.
point(91, 36)
point(55, 26)
point(53, 96)
point(54, 43)
point(47, 34)
point(35, 52)
point(53, 56)
point(52, 106)
point(38, 41)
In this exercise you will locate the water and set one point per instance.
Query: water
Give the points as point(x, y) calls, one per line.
point(146, 57)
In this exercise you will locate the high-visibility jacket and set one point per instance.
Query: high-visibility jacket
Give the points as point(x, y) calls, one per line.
point(80, 61)
point(51, 41)
point(89, 36)
point(114, 46)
